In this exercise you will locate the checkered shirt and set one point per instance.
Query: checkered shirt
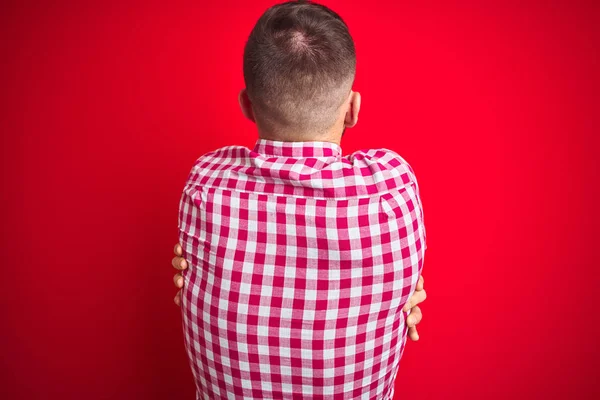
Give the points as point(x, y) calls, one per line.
point(301, 260)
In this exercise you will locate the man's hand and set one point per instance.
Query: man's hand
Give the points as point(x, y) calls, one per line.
point(179, 264)
point(414, 318)
point(415, 314)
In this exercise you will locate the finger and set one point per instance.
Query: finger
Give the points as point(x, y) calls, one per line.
point(178, 280)
point(418, 297)
point(413, 334)
point(420, 283)
point(179, 263)
point(178, 250)
point(177, 298)
point(415, 317)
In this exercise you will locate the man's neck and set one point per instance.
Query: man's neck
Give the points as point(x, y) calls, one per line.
point(329, 137)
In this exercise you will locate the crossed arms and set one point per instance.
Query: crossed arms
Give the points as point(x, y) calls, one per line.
point(412, 305)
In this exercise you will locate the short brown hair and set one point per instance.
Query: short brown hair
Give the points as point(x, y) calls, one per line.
point(299, 66)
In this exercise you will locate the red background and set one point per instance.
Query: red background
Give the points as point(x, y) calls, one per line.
point(106, 106)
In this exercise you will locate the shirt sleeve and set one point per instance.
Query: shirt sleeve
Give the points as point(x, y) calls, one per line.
point(397, 162)
point(189, 221)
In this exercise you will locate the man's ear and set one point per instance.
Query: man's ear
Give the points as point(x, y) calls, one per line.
point(246, 105)
point(351, 118)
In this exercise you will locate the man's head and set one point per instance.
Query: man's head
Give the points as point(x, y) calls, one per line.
point(299, 67)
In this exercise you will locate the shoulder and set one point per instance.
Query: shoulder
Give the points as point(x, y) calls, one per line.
point(221, 156)
point(385, 165)
point(385, 159)
point(218, 159)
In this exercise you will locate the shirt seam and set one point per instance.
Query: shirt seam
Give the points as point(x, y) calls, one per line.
point(379, 194)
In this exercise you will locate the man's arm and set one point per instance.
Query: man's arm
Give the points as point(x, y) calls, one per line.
point(419, 296)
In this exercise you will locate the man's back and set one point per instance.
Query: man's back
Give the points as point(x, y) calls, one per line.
point(300, 263)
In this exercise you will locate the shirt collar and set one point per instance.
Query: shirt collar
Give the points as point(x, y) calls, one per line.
point(297, 149)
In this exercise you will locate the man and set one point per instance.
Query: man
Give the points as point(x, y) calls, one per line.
point(299, 265)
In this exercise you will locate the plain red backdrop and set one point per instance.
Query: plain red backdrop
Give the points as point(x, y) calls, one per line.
point(106, 106)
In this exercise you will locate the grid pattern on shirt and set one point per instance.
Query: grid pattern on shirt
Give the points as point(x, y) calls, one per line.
point(300, 263)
